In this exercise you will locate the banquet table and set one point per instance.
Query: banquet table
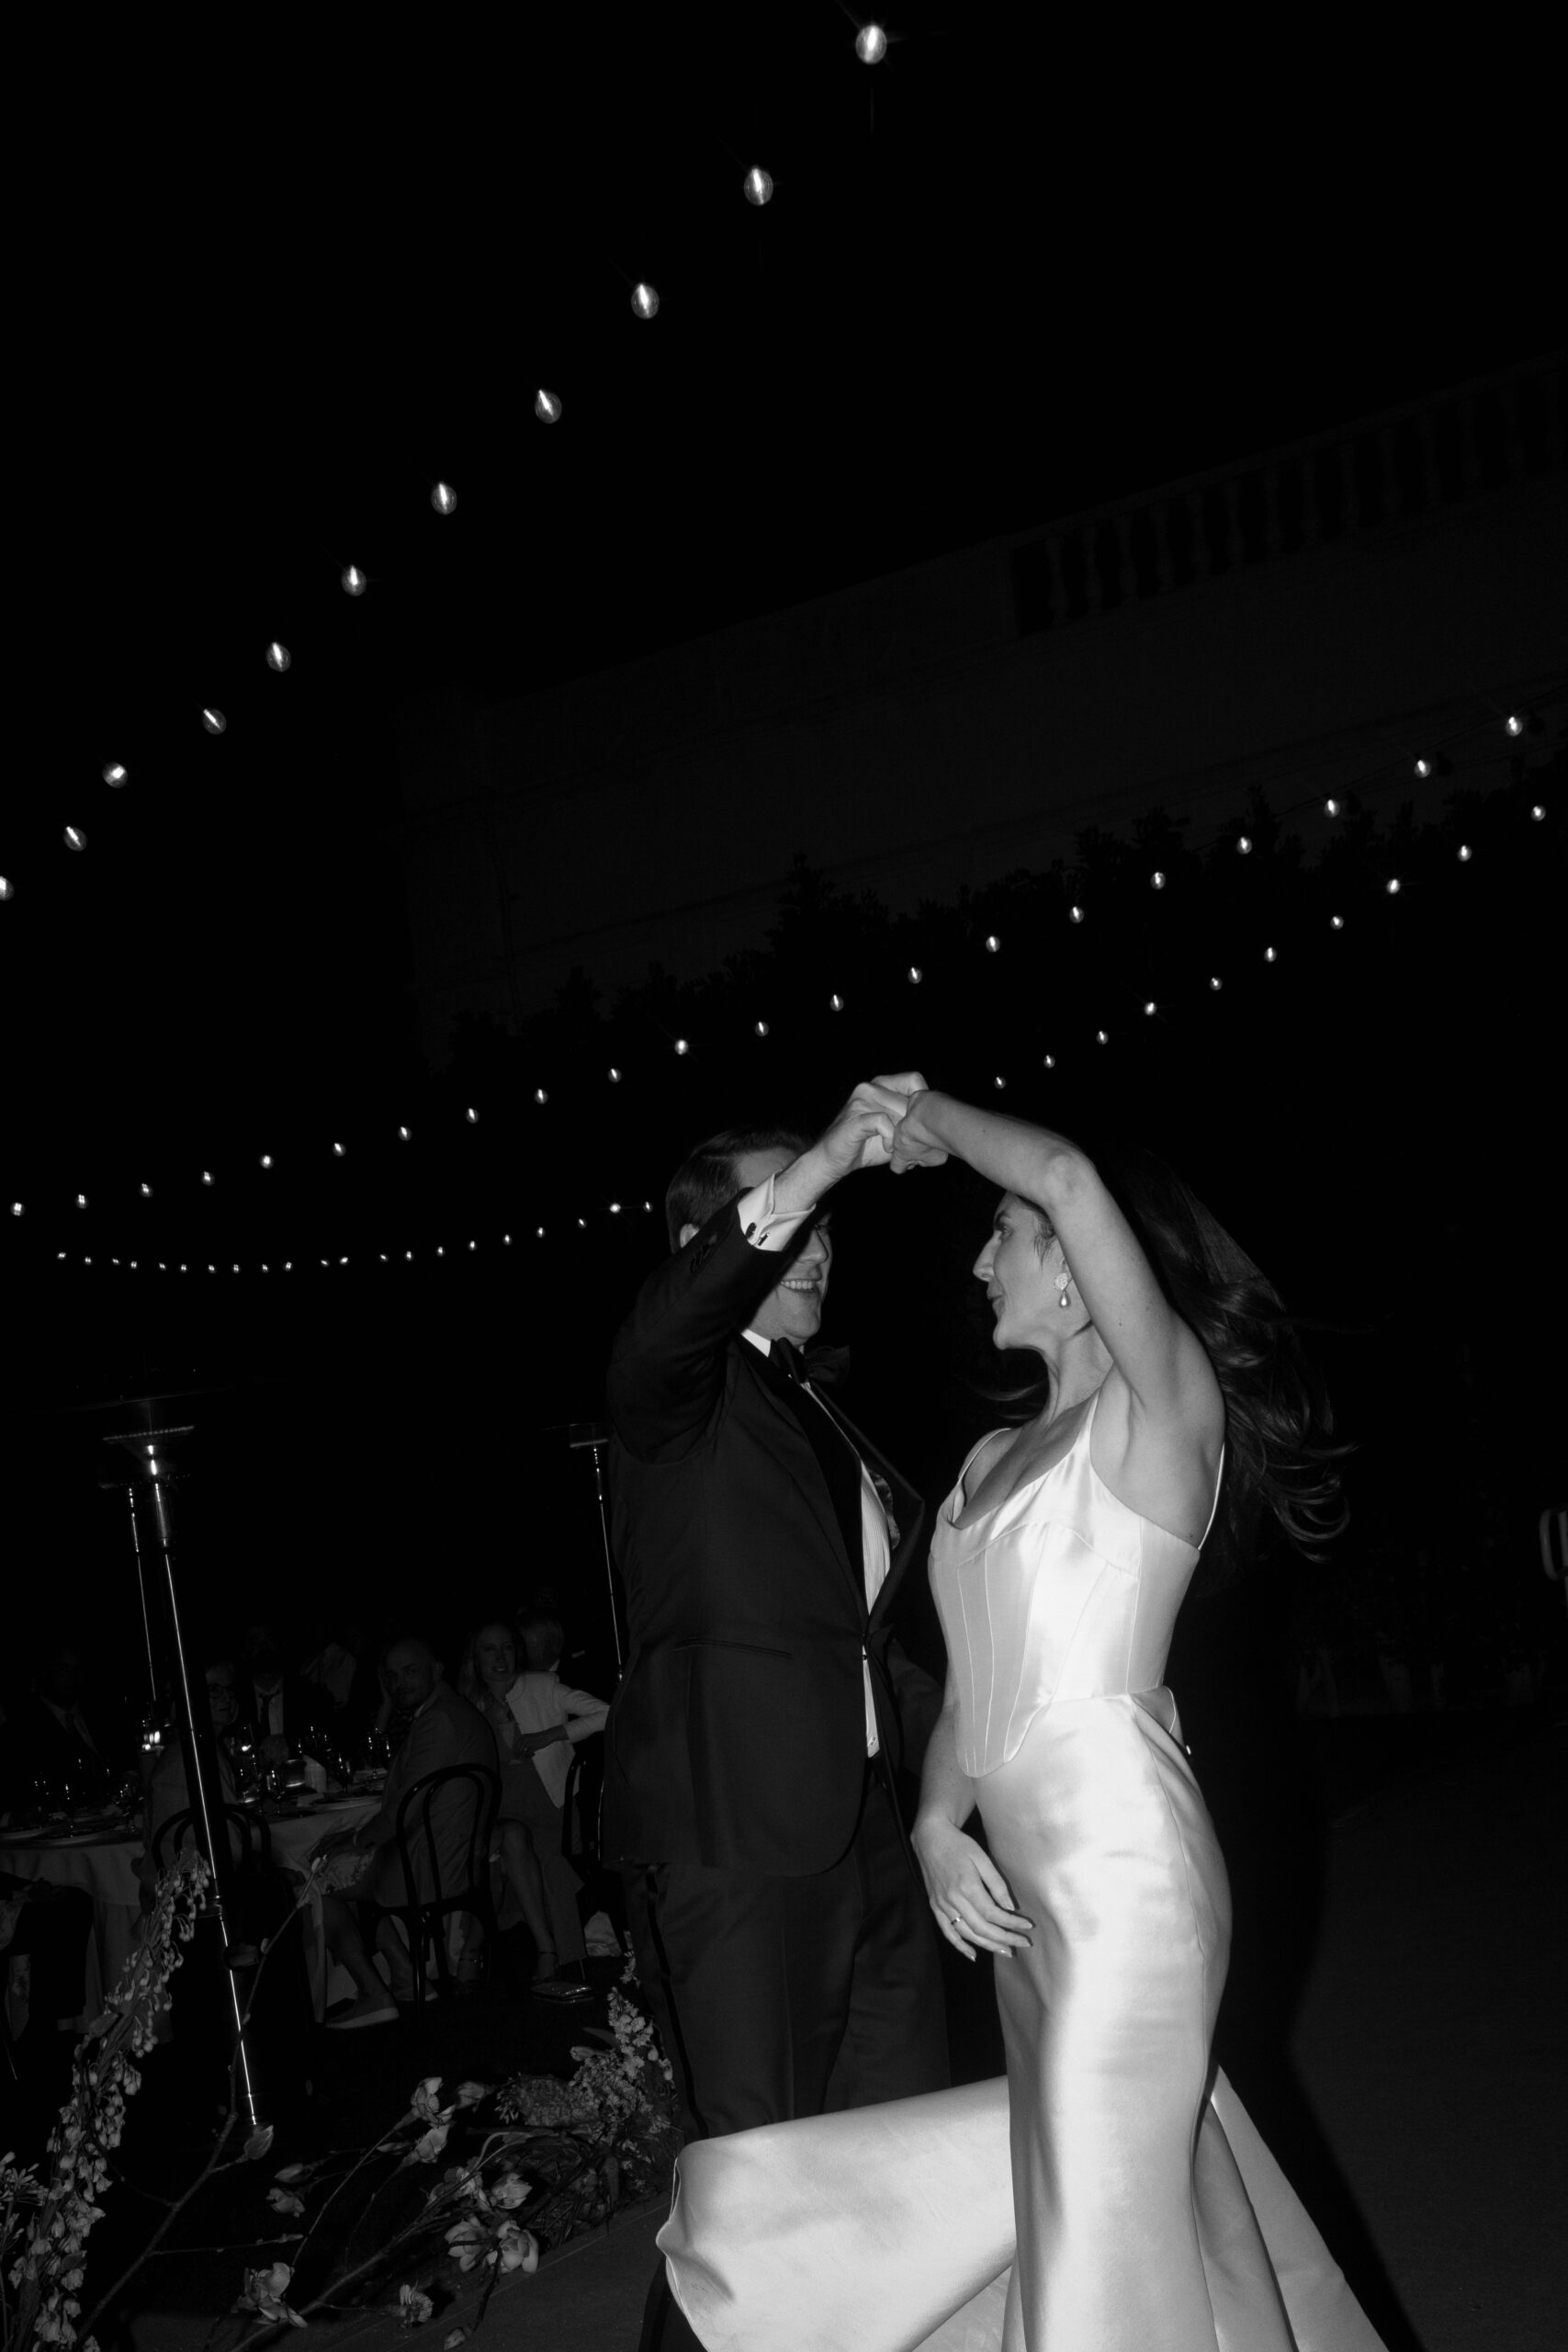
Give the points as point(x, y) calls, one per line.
point(104, 1862)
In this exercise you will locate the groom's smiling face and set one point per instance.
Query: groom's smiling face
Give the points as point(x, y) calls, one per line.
point(793, 1308)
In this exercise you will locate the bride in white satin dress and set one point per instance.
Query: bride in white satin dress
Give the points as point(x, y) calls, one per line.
point(1112, 2196)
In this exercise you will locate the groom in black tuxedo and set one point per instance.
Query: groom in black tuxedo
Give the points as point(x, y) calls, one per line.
point(781, 1930)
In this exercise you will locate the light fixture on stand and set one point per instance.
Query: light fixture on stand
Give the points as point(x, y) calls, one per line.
point(150, 1451)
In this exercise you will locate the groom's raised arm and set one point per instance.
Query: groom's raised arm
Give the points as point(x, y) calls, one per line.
point(667, 1367)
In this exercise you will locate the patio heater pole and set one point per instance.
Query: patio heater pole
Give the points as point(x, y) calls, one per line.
point(149, 1450)
point(153, 1693)
point(586, 1436)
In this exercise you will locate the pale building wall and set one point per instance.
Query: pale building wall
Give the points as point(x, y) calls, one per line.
point(910, 739)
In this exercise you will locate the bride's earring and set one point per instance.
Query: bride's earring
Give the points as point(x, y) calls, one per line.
point(1065, 1286)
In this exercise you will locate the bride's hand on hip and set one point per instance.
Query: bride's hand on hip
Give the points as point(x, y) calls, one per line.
point(973, 1902)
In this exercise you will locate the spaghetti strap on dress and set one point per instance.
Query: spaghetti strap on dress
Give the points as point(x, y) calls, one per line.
point(1110, 2195)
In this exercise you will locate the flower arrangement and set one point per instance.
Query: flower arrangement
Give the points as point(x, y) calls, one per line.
point(45, 2221)
point(559, 2158)
point(548, 2158)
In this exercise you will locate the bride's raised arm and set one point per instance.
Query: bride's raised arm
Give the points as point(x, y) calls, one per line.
point(1167, 1374)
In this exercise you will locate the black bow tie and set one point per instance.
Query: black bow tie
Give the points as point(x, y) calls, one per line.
point(823, 1367)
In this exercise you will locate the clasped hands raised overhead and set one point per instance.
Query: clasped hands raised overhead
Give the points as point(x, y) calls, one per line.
point(881, 1125)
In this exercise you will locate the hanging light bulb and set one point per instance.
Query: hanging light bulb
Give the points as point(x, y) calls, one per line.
point(81, 1200)
point(614, 1076)
point(682, 1046)
point(1537, 811)
point(614, 1208)
point(353, 581)
point(75, 837)
point(1336, 923)
point(279, 657)
point(1050, 1061)
point(1513, 723)
point(915, 974)
point(837, 1001)
point(214, 721)
point(546, 407)
point(7, 888)
point(1269, 956)
point(1149, 1007)
point(1076, 913)
point(267, 1160)
point(1157, 879)
point(1464, 853)
point(115, 775)
point(403, 1133)
point(993, 945)
point(338, 1151)
point(540, 1094)
point(645, 299)
point(1244, 845)
point(207, 1175)
point(1332, 805)
point(1392, 886)
point(443, 498)
point(758, 185)
point(146, 1192)
point(761, 1028)
point(18, 1208)
point(999, 1082)
point(870, 44)
point(1422, 768)
point(472, 1118)
point(1215, 982)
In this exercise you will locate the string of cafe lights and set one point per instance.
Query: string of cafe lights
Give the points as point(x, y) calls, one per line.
point(871, 46)
point(1096, 1033)
point(334, 1264)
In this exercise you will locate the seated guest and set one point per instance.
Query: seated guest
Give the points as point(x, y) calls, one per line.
point(279, 1709)
point(51, 1743)
point(560, 1718)
point(444, 1730)
point(343, 1667)
point(167, 1791)
point(392, 1717)
point(50, 1926)
point(540, 1881)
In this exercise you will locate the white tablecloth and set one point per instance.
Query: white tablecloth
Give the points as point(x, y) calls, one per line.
point(106, 1866)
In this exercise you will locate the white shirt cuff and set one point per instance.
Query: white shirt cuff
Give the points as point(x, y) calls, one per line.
point(764, 1227)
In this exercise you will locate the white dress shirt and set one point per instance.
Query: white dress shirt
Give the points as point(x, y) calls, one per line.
point(766, 1228)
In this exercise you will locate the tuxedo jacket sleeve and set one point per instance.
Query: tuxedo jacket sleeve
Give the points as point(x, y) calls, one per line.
point(737, 1736)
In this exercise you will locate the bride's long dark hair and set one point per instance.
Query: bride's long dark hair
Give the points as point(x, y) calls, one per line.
point(1282, 1458)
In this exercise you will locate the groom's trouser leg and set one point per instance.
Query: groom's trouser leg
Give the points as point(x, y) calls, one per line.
point(895, 2043)
point(782, 1997)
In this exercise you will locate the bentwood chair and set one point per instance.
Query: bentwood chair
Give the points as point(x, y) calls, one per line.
point(255, 1837)
point(419, 1826)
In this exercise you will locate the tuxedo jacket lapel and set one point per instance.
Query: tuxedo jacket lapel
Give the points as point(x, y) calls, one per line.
point(909, 1506)
point(839, 1482)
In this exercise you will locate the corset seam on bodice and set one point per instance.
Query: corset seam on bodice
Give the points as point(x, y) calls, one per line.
point(1027, 1638)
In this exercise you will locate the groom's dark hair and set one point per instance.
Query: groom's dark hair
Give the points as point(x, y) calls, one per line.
point(705, 1179)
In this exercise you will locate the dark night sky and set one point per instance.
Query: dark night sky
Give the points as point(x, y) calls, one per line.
point(271, 291)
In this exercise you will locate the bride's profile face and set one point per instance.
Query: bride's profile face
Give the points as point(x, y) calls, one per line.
point(1021, 1277)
